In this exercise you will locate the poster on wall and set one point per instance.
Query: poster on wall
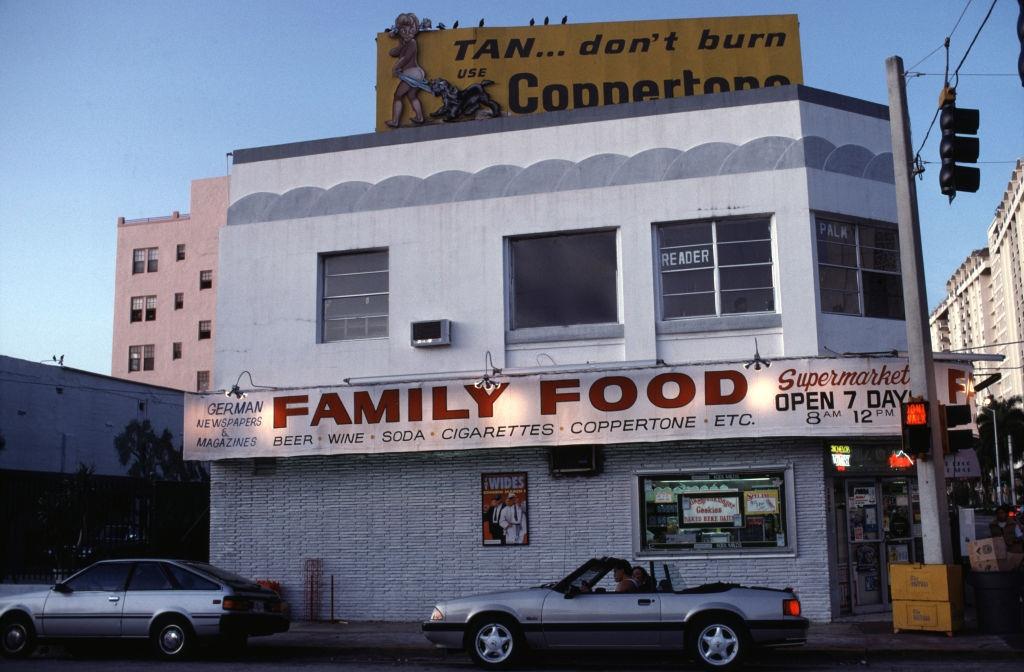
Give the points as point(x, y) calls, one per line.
point(504, 509)
point(713, 510)
point(759, 502)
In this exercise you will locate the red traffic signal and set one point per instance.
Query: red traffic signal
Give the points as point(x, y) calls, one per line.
point(916, 431)
point(915, 413)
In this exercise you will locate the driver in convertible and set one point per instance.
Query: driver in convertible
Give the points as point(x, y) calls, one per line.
point(623, 575)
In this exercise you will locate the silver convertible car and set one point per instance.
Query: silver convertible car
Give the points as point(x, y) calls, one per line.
point(172, 603)
point(715, 623)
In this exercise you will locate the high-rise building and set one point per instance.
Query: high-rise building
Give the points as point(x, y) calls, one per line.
point(165, 294)
point(983, 309)
point(1006, 251)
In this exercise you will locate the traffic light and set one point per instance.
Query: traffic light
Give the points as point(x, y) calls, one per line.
point(955, 148)
point(916, 432)
point(953, 440)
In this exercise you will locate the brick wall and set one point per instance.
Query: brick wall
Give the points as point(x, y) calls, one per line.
point(402, 531)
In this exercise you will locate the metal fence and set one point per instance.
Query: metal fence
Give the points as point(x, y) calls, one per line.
point(56, 524)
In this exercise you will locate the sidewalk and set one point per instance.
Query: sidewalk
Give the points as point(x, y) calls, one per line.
point(848, 639)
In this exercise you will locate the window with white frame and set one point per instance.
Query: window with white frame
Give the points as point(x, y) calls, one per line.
point(730, 512)
point(138, 304)
point(151, 260)
point(205, 279)
point(715, 267)
point(138, 260)
point(563, 279)
point(859, 269)
point(355, 291)
point(150, 308)
point(148, 357)
point(205, 329)
point(202, 381)
point(134, 358)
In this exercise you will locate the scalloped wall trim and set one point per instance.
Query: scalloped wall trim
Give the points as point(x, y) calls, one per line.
point(553, 175)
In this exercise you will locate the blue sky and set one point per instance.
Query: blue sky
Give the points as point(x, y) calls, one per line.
point(110, 108)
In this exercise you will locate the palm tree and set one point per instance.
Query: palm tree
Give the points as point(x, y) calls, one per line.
point(1009, 421)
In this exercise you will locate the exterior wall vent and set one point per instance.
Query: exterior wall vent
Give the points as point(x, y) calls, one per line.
point(431, 333)
point(575, 460)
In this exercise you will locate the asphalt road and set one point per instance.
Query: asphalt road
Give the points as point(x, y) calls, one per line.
point(116, 658)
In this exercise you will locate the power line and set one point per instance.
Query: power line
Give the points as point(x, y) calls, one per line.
point(962, 74)
point(945, 42)
point(986, 345)
point(956, 73)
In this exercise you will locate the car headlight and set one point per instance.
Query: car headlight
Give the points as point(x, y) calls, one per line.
point(437, 614)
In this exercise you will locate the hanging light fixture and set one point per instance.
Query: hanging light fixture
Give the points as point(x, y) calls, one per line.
point(487, 383)
point(237, 392)
point(757, 362)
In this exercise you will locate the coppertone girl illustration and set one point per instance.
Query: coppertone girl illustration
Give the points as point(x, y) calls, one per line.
point(407, 70)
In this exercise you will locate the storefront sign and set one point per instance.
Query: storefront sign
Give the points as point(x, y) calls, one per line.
point(716, 510)
point(799, 397)
point(426, 74)
point(505, 509)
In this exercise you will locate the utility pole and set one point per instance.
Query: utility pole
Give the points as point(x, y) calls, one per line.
point(931, 472)
point(1013, 480)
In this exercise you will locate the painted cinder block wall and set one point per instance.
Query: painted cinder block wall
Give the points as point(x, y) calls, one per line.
point(402, 531)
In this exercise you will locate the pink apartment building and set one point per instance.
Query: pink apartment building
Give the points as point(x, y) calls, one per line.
point(165, 292)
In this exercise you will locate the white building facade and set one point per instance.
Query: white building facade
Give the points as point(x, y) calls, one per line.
point(605, 246)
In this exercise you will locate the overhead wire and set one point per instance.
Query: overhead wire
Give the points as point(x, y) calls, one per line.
point(945, 43)
point(956, 73)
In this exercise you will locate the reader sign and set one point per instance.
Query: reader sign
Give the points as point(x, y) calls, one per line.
point(430, 75)
point(797, 397)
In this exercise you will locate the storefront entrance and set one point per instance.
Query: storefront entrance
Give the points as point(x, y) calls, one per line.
point(877, 521)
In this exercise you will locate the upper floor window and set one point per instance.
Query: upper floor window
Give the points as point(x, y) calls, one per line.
point(143, 306)
point(204, 329)
point(176, 350)
point(141, 357)
point(355, 296)
point(205, 279)
point(179, 253)
point(202, 381)
point(859, 269)
point(138, 303)
point(718, 267)
point(563, 279)
point(179, 300)
point(144, 260)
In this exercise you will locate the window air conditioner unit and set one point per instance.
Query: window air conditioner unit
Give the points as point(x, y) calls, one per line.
point(575, 460)
point(431, 333)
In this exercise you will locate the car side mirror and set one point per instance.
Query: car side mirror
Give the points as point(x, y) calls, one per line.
point(62, 588)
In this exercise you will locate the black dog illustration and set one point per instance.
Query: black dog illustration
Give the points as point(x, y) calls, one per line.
point(464, 103)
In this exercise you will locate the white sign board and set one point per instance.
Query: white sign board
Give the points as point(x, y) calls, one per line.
point(710, 510)
point(797, 397)
point(963, 464)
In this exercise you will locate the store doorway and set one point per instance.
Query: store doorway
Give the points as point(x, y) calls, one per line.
point(877, 521)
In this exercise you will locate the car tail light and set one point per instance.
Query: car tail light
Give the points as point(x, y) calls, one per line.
point(278, 607)
point(236, 604)
point(791, 607)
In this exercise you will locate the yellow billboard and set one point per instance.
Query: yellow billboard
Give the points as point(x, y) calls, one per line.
point(432, 75)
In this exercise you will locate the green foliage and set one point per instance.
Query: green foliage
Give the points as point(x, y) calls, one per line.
point(154, 457)
point(1009, 421)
